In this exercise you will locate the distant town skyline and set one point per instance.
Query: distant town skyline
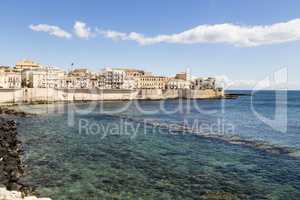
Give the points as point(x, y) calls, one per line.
point(240, 42)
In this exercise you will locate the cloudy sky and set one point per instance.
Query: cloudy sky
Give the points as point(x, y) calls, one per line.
point(240, 42)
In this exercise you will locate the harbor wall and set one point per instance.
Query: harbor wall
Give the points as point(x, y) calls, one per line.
point(52, 95)
point(202, 94)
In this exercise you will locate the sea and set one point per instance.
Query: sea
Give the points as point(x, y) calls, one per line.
point(243, 148)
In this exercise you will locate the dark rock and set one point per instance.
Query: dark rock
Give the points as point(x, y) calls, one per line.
point(11, 167)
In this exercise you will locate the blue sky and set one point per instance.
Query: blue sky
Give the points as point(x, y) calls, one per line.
point(150, 18)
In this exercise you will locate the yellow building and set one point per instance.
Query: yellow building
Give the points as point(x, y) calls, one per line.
point(27, 64)
point(152, 82)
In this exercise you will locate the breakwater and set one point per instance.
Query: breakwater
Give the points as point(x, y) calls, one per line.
point(54, 95)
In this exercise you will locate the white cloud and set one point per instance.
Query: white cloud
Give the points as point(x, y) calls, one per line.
point(52, 30)
point(246, 36)
point(81, 30)
point(112, 34)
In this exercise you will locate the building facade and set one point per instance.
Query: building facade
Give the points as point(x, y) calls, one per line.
point(174, 84)
point(134, 73)
point(81, 72)
point(113, 78)
point(43, 78)
point(152, 82)
point(27, 65)
point(81, 78)
point(204, 83)
point(129, 83)
point(30, 74)
point(10, 78)
point(181, 76)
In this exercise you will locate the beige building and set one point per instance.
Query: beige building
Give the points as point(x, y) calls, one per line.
point(77, 82)
point(101, 81)
point(129, 83)
point(27, 64)
point(9, 78)
point(204, 83)
point(152, 82)
point(178, 84)
point(81, 78)
point(119, 78)
point(43, 78)
point(114, 78)
point(130, 72)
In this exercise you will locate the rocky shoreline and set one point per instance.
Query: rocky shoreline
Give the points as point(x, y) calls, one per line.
point(11, 166)
point(10, 156)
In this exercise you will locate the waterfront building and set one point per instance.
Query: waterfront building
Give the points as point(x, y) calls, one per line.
point(9, 78)
point(129, 83)
point(178, 84)
point(114, 78)
point(101, 81)
point(43, 78)
point(204, 83)
point(77, 82)
point(30, 74)
point(27, 65)
point(133, 73)
point(129, 72)
point(181, 76)
point(81, 78)
point(71, 82)
point(80, 72)
point(94, 83)
point(152, 82)
point(119, 78)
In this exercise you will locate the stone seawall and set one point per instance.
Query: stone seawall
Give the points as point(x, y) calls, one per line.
point(53, 95)
point(157, 94)
point(202, 94)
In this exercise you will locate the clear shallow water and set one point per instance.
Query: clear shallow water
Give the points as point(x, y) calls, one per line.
point(148, 163)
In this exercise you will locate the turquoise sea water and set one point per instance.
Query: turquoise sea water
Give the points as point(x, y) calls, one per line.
point(119, 155)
